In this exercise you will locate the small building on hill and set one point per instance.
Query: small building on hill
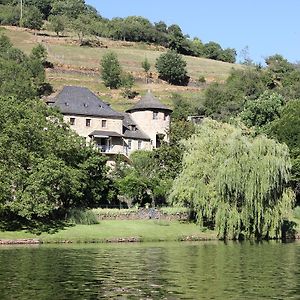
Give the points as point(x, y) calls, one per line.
point(142, 127)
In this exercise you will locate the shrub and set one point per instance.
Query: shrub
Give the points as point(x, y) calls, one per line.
point(82, 217)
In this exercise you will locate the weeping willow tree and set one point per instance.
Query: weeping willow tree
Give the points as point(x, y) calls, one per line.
point(235, 181)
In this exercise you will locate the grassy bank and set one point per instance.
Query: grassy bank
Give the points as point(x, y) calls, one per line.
point(113, 230)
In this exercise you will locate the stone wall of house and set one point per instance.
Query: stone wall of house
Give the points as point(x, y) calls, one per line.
point(80, 127)
point(146, 122)
point(145, 145)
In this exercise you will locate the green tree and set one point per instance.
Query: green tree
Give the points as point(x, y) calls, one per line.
point(48, 168)
point(234, 181)
point(111, 70)
point(263, 110)
point(70, 8)
point(39, 52)
point(57, 24)
point(81, 26)
point(212, 50)
point(33, 18)
point(286, 129)
point(146, 66)
point(172, 68)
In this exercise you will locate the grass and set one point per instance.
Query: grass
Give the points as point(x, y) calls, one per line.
point(65, 52)
point(145, 230)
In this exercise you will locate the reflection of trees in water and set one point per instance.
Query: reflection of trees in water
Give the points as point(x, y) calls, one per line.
point(203, 270)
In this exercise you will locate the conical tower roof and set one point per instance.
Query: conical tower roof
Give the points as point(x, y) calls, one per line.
point(149, 102)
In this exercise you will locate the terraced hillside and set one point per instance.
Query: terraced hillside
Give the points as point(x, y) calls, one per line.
point(76, 65)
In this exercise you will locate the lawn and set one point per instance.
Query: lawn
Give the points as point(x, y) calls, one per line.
point(143, 230)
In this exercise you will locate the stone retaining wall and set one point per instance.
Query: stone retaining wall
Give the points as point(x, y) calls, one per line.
point(144, 214)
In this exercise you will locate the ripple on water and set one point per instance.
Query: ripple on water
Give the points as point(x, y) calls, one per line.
point(201, 270)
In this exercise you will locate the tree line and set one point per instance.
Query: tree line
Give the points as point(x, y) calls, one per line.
point(75, 15)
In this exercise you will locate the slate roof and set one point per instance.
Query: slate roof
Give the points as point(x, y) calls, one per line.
point(132, 134)
point(104, 133)
point(149, 101)
point(74, 100)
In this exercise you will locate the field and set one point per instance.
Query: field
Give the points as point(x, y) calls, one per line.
point(75, 65)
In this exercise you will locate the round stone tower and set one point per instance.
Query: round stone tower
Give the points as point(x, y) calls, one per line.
point(152, 117)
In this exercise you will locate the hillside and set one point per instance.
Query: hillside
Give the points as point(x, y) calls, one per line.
point(75, 65)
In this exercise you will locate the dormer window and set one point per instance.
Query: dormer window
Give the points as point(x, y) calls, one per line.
point(132, 127)
point(66, 103)
point(85, 105)
point(155, 115)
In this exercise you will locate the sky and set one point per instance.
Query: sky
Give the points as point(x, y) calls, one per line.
point(266, 27)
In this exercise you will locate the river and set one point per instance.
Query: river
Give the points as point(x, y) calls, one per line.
point(202, 270)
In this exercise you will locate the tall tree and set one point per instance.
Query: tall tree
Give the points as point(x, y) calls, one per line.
point(172, 68)
point(235, 181)
point(48, 168)
point(111, 70)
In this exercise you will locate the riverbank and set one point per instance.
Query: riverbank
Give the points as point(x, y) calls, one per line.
point(110, 231)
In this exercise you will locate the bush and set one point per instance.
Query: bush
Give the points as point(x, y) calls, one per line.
point(82, 217)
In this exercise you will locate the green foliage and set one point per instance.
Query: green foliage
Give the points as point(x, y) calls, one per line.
point(82, 217)
point(296, 212)
point(172, 68)
point(9, 15)
point(212, 50)
point(33, 18)
point(48, 169)
point(263, 110)
point(181, 108)
point(286, 129)
point(20, 76)
point(111, 70)
point(57, 24)
point(70, 8)
point(39, 52)
point(146, 65)
point(278, 67)
point(81, 26)
point(226, 100)
point(235, 181)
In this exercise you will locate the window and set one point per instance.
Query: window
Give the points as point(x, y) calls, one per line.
point(155, 115)
point(88, 122)
point(139, 145)
point(129, 144)
point(132, 127)
point(72, 121)
point(103, 123)
point(165, 116)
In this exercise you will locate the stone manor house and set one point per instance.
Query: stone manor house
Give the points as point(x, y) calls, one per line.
point(142, 127)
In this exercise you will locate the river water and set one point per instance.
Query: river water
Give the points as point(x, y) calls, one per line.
point(202, 270)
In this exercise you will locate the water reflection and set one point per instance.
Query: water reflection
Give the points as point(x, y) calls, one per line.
point(205, 270)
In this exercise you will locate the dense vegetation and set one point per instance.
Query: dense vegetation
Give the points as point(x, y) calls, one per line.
point(45, 168)
point(235, 182)
point(86, 21)
point(239, 180)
